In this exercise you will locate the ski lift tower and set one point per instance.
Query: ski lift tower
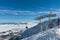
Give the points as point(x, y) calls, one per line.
point(40, 18)
point(49, 17)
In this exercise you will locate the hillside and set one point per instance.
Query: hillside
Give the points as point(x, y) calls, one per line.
point(36, 30)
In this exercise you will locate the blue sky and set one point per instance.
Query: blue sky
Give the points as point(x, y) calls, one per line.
point(26, 10)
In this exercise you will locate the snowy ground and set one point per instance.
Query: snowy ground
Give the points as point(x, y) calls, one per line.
point(51, 34)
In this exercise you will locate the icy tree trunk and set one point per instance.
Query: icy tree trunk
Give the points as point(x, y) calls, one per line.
point(41, 26)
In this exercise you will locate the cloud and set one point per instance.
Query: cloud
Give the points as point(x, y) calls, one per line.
point(43, 12)
point(51, 10)
point(16, 12)
point(19, 12)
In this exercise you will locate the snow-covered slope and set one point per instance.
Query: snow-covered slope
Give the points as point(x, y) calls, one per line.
point(46, 35)
point(51, 34)
point(35, 30)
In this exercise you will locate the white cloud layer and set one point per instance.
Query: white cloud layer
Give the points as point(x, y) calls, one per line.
point(19, 12)
point(16, 12)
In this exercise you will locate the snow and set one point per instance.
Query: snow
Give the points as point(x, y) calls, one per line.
point(46, 35)
point(34, 32)
point(13, 27)
point(58, 31)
